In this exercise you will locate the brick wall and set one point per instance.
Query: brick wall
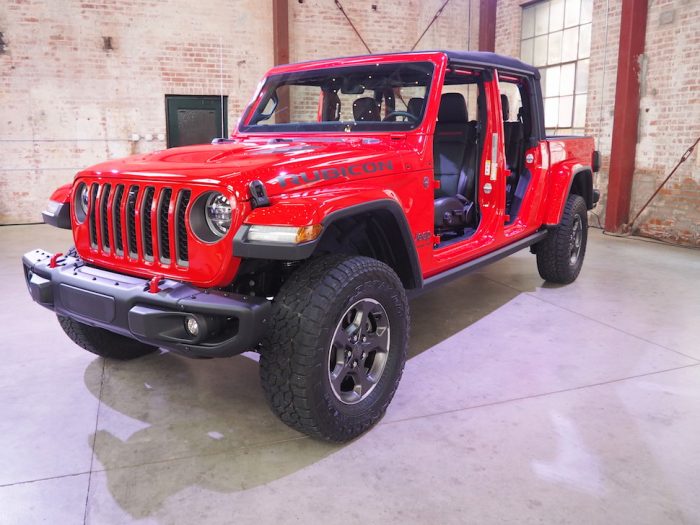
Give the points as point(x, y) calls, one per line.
point(318, 28)
point(66, 103)
point(670, 122)
point(605, 37)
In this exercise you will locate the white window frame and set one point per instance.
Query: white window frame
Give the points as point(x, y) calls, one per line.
point(547, 26)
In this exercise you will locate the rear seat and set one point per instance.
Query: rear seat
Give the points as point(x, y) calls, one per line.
point(513, 138)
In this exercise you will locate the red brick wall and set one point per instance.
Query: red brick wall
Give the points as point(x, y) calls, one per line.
point(669, 123)
point(508, 17)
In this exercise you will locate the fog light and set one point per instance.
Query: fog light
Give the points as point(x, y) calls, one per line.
point(192, 326)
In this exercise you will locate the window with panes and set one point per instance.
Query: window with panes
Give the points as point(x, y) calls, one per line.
point(556, 38)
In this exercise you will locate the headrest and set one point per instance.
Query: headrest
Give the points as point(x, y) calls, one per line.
point(365, 109)
point(331, 106)
point(453, 108)
point(505, 107)
point(415, 106)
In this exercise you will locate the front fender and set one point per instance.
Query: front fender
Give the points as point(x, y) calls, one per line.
point(62, 194)
point(324, 208)
point(309, 209)
point(57, 212)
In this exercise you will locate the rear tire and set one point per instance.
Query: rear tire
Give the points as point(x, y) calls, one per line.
point(336, 347)
point(103, 342)
point(560, 255)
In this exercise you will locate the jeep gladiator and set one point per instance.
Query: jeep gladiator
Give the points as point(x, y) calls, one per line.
point(348, 185)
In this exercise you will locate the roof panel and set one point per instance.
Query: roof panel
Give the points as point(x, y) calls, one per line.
point(481, 58)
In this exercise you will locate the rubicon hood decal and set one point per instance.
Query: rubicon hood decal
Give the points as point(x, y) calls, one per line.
point(349, 171)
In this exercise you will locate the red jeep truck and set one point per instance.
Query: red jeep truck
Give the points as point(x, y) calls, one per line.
point(348, 185)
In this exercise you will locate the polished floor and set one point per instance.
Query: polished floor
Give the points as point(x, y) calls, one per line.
point(521, 403)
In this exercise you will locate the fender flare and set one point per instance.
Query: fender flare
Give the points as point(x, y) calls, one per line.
point(57, 213)
point(295, 252)
point(562, 190)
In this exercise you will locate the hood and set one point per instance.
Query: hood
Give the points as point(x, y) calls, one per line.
point(282, 165)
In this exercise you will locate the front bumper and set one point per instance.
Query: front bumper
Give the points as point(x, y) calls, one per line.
point(58, 215)
point(229, 323)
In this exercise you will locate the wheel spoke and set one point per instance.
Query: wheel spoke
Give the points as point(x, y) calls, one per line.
point(378, 340)
point(360, 319)
point(339, 358)
point(338, 375)
point(364, 381)
point(342, 338)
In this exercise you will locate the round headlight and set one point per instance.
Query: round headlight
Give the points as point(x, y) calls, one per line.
point(80, 201)
point(211, 215)
point(217, 211)
point(84, 196)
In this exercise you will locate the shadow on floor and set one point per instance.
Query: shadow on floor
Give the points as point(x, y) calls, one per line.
point(168, 422)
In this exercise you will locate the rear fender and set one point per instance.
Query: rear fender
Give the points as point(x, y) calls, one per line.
point(566, 178)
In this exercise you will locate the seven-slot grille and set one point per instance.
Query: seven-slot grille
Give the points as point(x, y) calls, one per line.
point(142, 222)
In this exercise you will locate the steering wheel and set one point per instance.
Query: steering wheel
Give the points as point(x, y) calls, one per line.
point(405, 114)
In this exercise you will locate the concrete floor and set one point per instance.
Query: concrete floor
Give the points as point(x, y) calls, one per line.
point(521, 403)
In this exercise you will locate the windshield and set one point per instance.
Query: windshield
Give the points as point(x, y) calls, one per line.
point(374, 97)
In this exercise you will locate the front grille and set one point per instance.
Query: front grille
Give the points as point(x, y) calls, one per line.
point(131, 221)
point(163, 233)
point(117, 220)
point(139, 222)
point(146, 229)
point(104, 216)
point(181, 232)
point(93, 227)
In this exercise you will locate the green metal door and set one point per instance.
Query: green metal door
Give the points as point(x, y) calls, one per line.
point(195, 119)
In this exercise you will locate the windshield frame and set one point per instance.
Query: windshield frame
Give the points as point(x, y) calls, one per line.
point(347, 128)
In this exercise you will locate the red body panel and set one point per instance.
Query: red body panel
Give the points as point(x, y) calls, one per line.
point(567, 157)
point(318, 173)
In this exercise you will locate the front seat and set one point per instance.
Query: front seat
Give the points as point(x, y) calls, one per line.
point(415, 106)
point(453, 152)
point(365, 109)
point(330, 110)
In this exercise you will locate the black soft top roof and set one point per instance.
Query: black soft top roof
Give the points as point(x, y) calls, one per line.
point(474, 58)
point(486, 58)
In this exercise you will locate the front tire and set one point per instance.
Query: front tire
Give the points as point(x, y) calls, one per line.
point(103, 342)
point(560, 255)
point(335, 352)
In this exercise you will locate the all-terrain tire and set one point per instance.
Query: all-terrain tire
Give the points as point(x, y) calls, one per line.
point(103, 342)
point(299, 352)
point(560, 255)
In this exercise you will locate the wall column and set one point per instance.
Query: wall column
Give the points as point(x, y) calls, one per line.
point(280, 31)
point(633, 26)
point(487, 25)
point(280, 45)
